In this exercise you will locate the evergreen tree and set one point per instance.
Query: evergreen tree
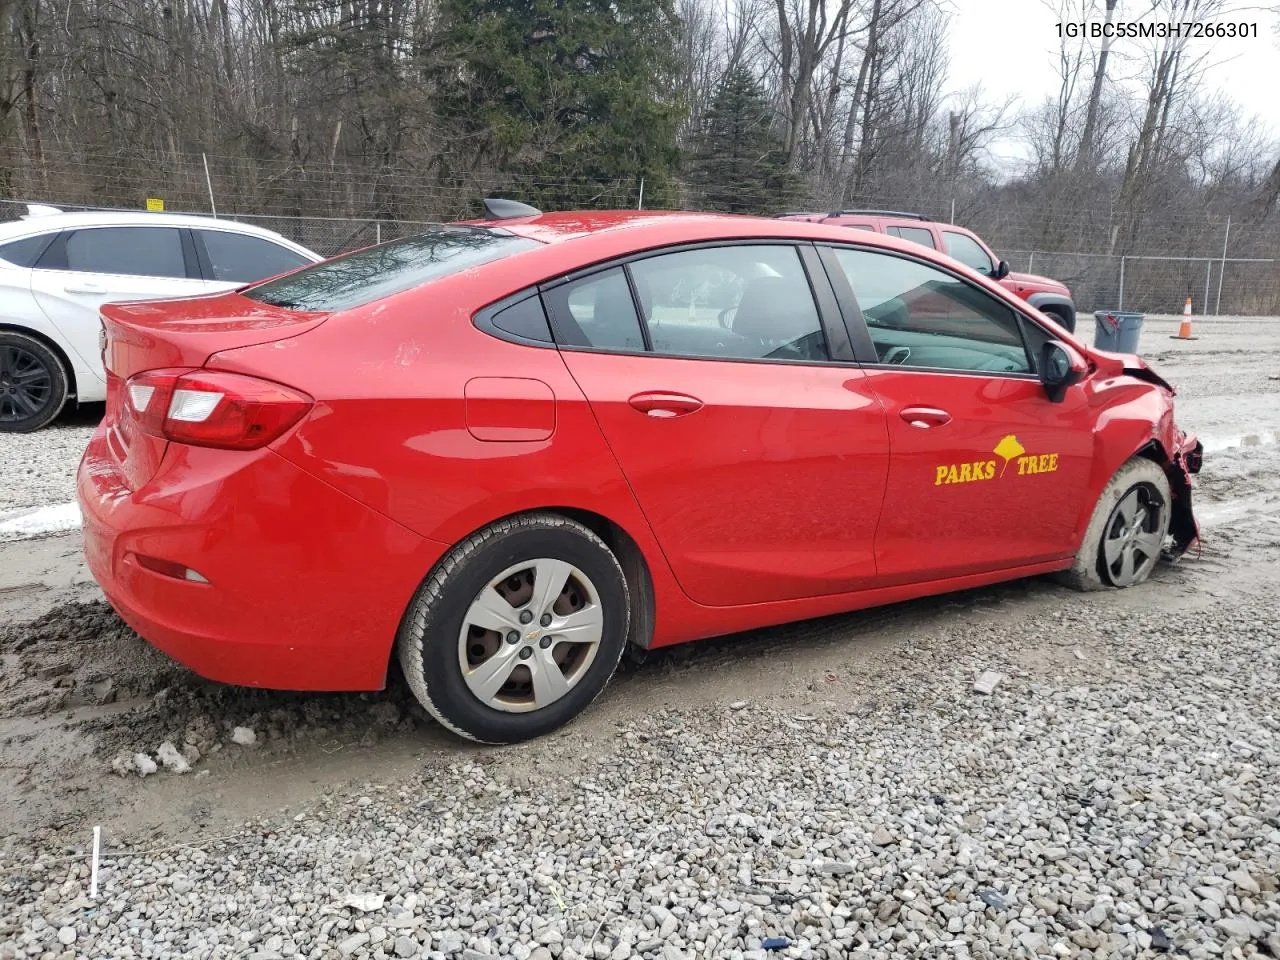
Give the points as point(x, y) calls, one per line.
point(553, 92)
point(738, 164)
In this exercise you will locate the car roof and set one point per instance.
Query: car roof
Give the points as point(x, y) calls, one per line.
point(67, 220)
point(658, 228)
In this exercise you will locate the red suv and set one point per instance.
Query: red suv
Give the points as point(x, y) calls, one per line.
point(1048, 296)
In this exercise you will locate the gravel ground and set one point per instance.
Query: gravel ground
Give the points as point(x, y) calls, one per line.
point(1108, 806)
point(829, 789)
point(40, 467)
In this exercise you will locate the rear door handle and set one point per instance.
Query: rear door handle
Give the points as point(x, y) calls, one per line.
point(660, 404)
point(84, 288)
point(924, 417)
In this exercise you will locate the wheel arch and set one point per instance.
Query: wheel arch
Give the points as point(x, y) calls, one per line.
point(1182, 522)
point(635, 567)
point(1056, 305)
point(68, 368)
point(1112, 458)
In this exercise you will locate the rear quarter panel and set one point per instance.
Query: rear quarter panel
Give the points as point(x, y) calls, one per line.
point(392, 429)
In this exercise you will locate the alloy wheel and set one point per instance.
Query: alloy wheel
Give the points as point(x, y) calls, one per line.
point(26, 384)
point(1134, 535)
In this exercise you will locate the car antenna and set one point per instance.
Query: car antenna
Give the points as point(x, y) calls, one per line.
point(495, 208)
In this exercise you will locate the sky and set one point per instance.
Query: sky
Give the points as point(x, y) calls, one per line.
point(1010, 47)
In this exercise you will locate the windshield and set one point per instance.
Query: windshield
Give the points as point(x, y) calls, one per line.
point(355, 279)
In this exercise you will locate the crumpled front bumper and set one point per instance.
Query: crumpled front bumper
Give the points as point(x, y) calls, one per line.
point(1188, 455)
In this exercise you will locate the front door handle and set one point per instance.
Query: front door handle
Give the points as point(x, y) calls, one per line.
point(661, 404)
point(924, 417)
point(84, 288)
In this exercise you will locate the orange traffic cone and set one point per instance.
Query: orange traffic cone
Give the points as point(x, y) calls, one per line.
point(1184, 329)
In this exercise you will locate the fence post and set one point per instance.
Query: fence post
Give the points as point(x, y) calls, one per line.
point(1208, 275)
point(1217, 310)
point(377, 231)
point(1120, 305)
point(1031, 261)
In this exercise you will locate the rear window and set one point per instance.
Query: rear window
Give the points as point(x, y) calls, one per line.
point(367, 275)
point(25, 252)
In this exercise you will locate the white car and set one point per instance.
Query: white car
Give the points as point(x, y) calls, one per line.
point(57, 269)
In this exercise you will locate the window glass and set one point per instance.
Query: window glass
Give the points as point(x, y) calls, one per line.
point(366, 275)
point(524, 319)
point(132, 251)
point(25, 252)
point(1036, 337)
point(919, 316)
point(861, 226)
point(237, 258)
point(742, 302)
point(915, 234)
point(967, 251)
point(597, 311)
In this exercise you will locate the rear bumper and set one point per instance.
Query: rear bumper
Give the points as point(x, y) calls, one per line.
point(305, 586)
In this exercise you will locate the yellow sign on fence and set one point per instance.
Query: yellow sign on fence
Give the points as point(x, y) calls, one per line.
point(155, 204)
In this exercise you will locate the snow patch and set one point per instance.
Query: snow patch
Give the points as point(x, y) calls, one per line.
point(1240, 440)
point(38, 521)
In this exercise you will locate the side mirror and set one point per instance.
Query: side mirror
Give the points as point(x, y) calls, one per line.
point(1060, 367)
point(1001, 271)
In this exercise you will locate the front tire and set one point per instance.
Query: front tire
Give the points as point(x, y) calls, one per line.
point(517, 630)
point(1127, 532)
point(33, 383)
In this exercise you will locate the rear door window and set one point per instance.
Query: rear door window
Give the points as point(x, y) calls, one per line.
point(367, 275)
point(743, 302)
point(598, 312)
point(920, 235)
point(239, 258)
point(126, 251)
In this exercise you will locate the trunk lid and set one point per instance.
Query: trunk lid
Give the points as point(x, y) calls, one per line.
point(155, 335)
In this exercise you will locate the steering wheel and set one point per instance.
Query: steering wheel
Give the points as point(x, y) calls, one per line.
point(898, 355)
point(725, 318)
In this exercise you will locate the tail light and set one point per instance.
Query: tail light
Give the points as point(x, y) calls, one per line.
point(208, 408)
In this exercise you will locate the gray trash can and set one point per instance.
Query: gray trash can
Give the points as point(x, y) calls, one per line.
point(1117, 331)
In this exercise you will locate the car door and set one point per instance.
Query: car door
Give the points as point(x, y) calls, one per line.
point(86, 267)
point(986, 472)
point(759, 462)
point(229, 259)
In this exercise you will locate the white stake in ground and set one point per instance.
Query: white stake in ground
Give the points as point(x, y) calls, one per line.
point(93, 865)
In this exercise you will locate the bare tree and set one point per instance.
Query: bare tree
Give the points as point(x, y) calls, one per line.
point(1088, 138)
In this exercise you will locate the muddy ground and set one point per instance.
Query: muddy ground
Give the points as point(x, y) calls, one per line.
point(77, 687)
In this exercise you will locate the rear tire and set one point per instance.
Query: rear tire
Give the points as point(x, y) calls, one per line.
point(1127, 532)
point(517, 630)
point(33, 383)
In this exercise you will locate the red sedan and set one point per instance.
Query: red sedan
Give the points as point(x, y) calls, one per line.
point(505, 450)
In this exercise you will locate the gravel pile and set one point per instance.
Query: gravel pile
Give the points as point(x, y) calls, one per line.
point(1122, 801)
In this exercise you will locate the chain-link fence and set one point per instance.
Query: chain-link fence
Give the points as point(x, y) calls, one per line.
point(1147, 283)
point(1156, 284)
point(327, 236)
